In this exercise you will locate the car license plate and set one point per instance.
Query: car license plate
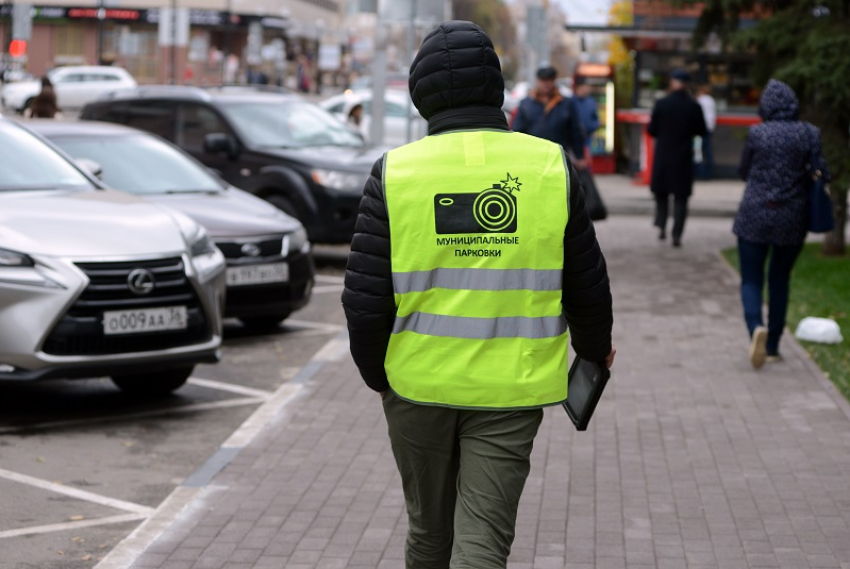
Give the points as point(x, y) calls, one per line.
point(144, 320)
point(258, 274)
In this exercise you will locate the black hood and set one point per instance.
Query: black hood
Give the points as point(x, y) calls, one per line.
point(456, 67)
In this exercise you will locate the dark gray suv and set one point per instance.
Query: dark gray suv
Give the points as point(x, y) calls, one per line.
point(275, 146)
point(269, 264)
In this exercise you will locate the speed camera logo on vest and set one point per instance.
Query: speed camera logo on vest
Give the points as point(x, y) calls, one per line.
point(489, 211)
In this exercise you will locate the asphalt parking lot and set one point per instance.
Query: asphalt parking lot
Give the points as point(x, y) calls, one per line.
point(82, 464)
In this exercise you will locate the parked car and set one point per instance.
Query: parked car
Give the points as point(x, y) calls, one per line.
point(275, 146)
point(74, 85)
point(397, 108)
point(392, 81)
point(269, 265)
point(98, 282)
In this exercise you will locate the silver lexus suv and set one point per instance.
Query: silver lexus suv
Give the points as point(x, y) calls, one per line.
point(95, 282)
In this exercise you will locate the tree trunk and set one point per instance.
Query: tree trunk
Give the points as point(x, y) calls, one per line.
point(834, 244)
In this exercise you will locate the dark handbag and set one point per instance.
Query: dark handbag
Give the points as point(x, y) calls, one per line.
point(821, 215)
point(593, 201)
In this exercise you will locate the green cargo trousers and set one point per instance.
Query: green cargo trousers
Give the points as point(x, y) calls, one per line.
point(463, 472)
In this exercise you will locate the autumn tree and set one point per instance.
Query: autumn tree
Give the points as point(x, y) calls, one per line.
point(495, 19)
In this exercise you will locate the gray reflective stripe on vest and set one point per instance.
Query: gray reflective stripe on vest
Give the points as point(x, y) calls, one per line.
point(477, 279)
point(480, 328)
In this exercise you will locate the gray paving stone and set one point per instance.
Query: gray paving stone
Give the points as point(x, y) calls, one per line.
point(694, 460)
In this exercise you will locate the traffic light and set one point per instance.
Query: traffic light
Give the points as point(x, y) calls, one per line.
point(18, 48)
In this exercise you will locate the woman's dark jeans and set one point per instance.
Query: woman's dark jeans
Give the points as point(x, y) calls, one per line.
point(752, 258)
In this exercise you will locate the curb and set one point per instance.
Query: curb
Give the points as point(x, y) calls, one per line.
point(814, 370)
point(198, 487)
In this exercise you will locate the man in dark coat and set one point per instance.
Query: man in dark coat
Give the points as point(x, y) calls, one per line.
point(676, 120)
point(545, 113)
point(462, 503)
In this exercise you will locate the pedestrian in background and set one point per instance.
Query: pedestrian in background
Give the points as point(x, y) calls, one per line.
point(772, 218)
point(466, 339)
point(705, 170)
point(355, 115)
point(587, 112)
point(545, 113)
point(676, 120)
point(44, 105)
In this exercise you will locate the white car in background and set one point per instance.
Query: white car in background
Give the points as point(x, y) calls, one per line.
point(397, 108)
point(75, 86)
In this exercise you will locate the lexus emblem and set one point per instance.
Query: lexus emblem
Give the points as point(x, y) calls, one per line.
point(251, 250)
point(141, 281)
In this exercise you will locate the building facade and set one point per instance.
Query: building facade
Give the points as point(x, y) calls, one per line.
point(184, 41)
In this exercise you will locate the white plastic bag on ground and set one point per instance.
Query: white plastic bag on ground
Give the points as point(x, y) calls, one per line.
point(821, 330)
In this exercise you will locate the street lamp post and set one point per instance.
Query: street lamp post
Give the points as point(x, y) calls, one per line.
point(227, 39)
point(173, 51)
point(320, 30)
point(101, 14)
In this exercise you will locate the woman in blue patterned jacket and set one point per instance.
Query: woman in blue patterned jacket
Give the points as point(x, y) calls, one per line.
point(773, 212)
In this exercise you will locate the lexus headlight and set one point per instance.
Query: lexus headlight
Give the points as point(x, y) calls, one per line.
point(339, 180)
point(18, 268)
point(296, 242)
point(13, 259)
point(207, 259)
point(202, 245)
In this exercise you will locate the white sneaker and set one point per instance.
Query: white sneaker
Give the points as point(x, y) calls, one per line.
point(758, 347)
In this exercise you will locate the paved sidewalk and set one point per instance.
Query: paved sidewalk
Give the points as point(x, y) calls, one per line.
point(714, 198)
point(694, 460)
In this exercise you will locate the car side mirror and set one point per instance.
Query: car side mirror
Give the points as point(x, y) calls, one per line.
point(90, 167)
point(218, 142)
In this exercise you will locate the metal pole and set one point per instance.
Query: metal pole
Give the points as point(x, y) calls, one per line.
point(173, 51)
point(379, 82)
point(100, 17)
point(227, 40)
point(411, 35)
point(7, 39)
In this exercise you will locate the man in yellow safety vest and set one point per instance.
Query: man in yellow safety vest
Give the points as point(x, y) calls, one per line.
point(472, 264)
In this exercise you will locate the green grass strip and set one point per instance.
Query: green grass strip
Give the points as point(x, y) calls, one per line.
point(820, 286)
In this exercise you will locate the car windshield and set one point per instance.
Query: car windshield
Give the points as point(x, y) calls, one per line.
point(30, 164)
point(289, 124)
point(141, 164)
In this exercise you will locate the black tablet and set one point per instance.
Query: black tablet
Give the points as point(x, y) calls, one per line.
point(585, 384)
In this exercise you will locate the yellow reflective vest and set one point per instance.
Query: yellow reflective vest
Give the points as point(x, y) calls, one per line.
point(477, 223)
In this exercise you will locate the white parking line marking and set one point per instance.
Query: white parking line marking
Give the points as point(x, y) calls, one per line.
point(231, 387)
point(64, 526)
point(312, 325)
point(140, 415)
point(253, 424)
point(332, 351)
point(328, 288)
point(185, 498)
point(179, 501)
point(144, 511)
point(329, 279)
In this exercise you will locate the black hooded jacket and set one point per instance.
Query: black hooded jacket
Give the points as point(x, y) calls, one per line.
point(456, 84)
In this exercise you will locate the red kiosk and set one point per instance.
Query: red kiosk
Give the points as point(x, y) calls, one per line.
point(647, 145)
